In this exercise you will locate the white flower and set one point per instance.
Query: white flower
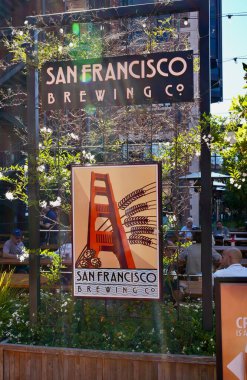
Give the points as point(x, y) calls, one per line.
point(244, 174)
point(243, 179)
point(46, 130)
point(60, 49)
point(21, 33)
point(61, 30)
point(25, 168)
point(231, 181)
point(25, 22)
point(1, 175)
point(239, 186)
point(23, 257)
point(43, 204)
point(71, 44)
point(9, 195)
point(235, 184)
point(56, 203)
point(74, 137)
point(41, 168)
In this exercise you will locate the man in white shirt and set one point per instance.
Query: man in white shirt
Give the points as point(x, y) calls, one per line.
point(231, 258)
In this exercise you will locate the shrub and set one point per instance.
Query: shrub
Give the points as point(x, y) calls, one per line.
point(111, 325)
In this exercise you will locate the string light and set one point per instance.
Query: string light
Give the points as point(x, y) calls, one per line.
point(186, 21)
point(235, 59)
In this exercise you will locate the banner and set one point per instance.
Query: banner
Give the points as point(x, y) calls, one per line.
point(117, 81)
point(116, 240)
point(231, 333)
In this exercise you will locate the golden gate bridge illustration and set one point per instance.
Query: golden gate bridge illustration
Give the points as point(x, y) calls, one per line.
point(114, 237)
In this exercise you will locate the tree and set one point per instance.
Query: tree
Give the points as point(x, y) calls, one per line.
point(228, 139)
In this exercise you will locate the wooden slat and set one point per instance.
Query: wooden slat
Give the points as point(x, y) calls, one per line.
point(43, 261)
point(21, 280)
point(36, 363)
point(1, 363)
point(192, 288)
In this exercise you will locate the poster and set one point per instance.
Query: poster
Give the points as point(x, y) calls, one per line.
point(231, 319)
point(116, 239)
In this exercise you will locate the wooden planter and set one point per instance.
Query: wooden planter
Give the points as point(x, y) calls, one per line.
point(42, 363)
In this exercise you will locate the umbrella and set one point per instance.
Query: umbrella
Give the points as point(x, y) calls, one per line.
point(218, 184)
point(197, 175)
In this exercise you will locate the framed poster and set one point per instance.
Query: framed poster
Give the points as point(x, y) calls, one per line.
point(231, 328)
point(116, 231)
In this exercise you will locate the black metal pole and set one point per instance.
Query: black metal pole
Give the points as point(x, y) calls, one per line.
point(33, 181)
point(205, 165)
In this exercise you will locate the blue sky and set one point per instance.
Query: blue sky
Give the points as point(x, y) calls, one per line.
point(234, 45)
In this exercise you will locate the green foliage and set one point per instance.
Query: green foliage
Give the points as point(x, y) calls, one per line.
point(52, 45)
point(112, 325)
point(165, 30)
point(8, 297)
point(229, 139)
point(53, 275)
point(53, 166)
point(178, 153)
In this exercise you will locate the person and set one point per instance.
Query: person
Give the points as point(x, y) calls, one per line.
point(49, 223)
point(231, 264)
point(14, 247)
point(220, 230)
point(186, 231)
point(191, 256)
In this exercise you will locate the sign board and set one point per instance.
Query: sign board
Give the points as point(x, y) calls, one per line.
point(116, 224)
point(118, 81)
point(231, 332)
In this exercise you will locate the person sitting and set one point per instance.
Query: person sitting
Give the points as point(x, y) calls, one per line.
point(14, 247)
point(231, 264)
point(220, 233)
point(186, 231)
point(191, 256)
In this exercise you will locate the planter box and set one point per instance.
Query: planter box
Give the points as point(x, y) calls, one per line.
point(42, 363)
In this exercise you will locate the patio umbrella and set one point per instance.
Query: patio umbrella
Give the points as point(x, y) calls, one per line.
point(197, 175)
